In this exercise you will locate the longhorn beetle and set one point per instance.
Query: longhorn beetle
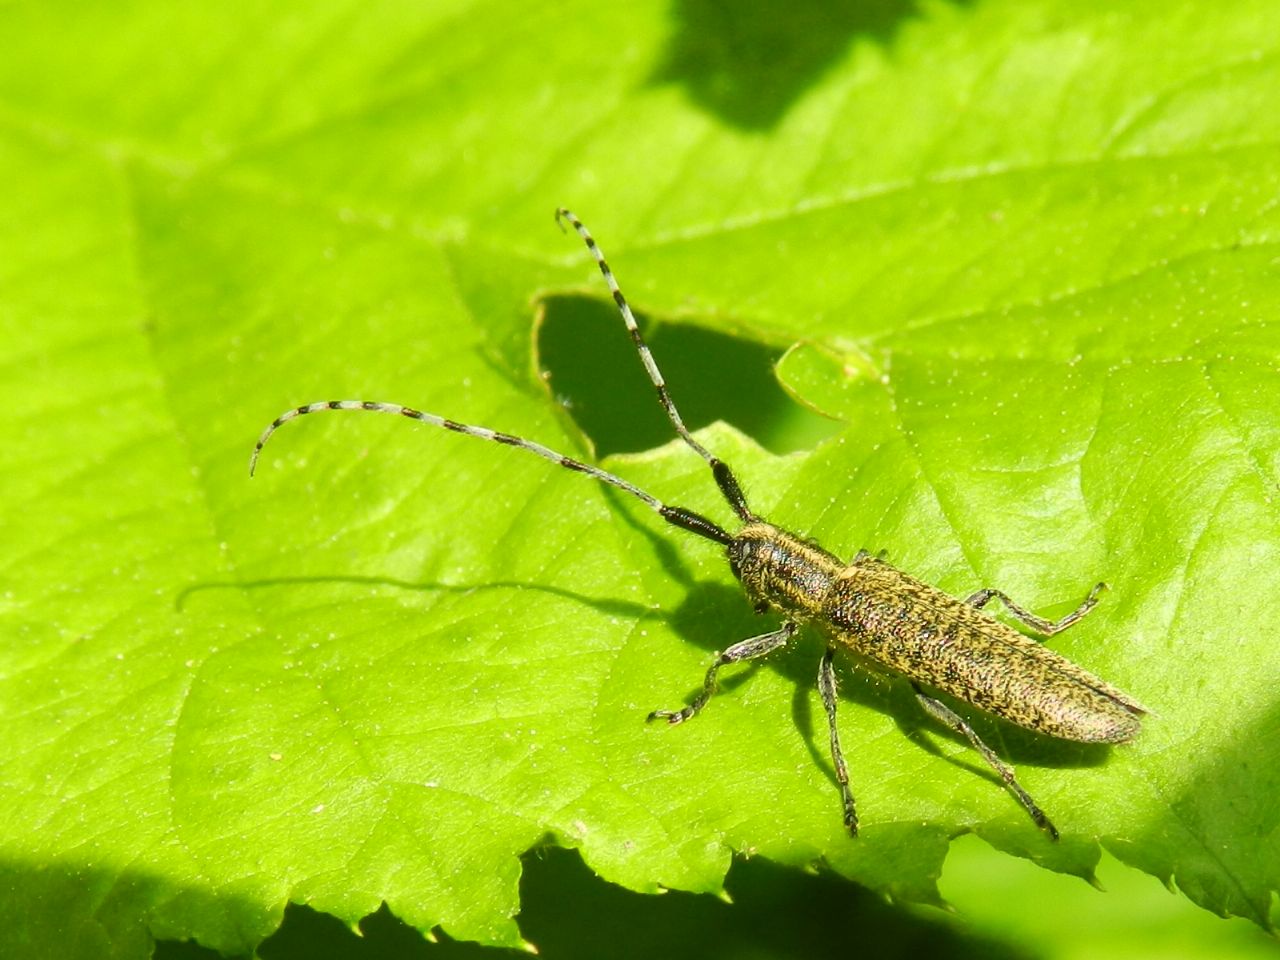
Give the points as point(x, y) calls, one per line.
point(868, 607)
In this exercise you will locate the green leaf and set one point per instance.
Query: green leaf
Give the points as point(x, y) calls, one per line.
point(1025, 253)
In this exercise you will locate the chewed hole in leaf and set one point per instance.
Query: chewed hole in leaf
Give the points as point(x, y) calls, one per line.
point(591, 367)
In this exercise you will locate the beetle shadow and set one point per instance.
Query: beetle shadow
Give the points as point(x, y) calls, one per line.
point(892, 695)
point(866, 684)
point(715, 615)
point(668, 555)
point(621, 608)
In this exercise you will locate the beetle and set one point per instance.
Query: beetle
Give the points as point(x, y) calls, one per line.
point(867, 607)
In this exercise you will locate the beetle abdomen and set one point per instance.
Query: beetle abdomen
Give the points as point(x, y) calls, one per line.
point(876, 610)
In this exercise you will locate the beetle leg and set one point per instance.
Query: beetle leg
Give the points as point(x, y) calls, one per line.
point(747, 649)
point(827, 689)
point(941, 712)
point(1037, 623)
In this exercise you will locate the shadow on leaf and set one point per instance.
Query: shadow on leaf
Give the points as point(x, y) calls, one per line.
point(570, 913)
point(748, 62)
point(592, 369)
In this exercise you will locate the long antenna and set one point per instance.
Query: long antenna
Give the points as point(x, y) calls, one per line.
point(724, 477)
point(679, 516)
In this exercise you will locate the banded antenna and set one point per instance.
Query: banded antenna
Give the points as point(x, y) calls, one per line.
point(679, 516)
point(725, 479)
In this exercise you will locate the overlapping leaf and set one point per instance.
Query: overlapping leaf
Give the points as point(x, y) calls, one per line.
point(1028, 255)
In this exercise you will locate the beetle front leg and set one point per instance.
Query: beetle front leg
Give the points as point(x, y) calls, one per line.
point(747, 649)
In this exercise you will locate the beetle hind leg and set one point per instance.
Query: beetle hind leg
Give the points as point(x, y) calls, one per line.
point(1037, 623)
point(944, 714)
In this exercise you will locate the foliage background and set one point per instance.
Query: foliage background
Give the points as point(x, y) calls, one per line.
point(1024, 254)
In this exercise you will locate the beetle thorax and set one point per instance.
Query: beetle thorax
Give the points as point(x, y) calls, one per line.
point(781, 569)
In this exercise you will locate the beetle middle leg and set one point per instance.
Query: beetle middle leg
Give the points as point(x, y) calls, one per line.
point(1036, 623)
point(747, 649)
point(940, 711)
point(827, 689)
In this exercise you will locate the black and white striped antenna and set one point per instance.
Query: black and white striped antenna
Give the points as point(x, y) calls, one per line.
point(725, 479)
point(679, 516)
